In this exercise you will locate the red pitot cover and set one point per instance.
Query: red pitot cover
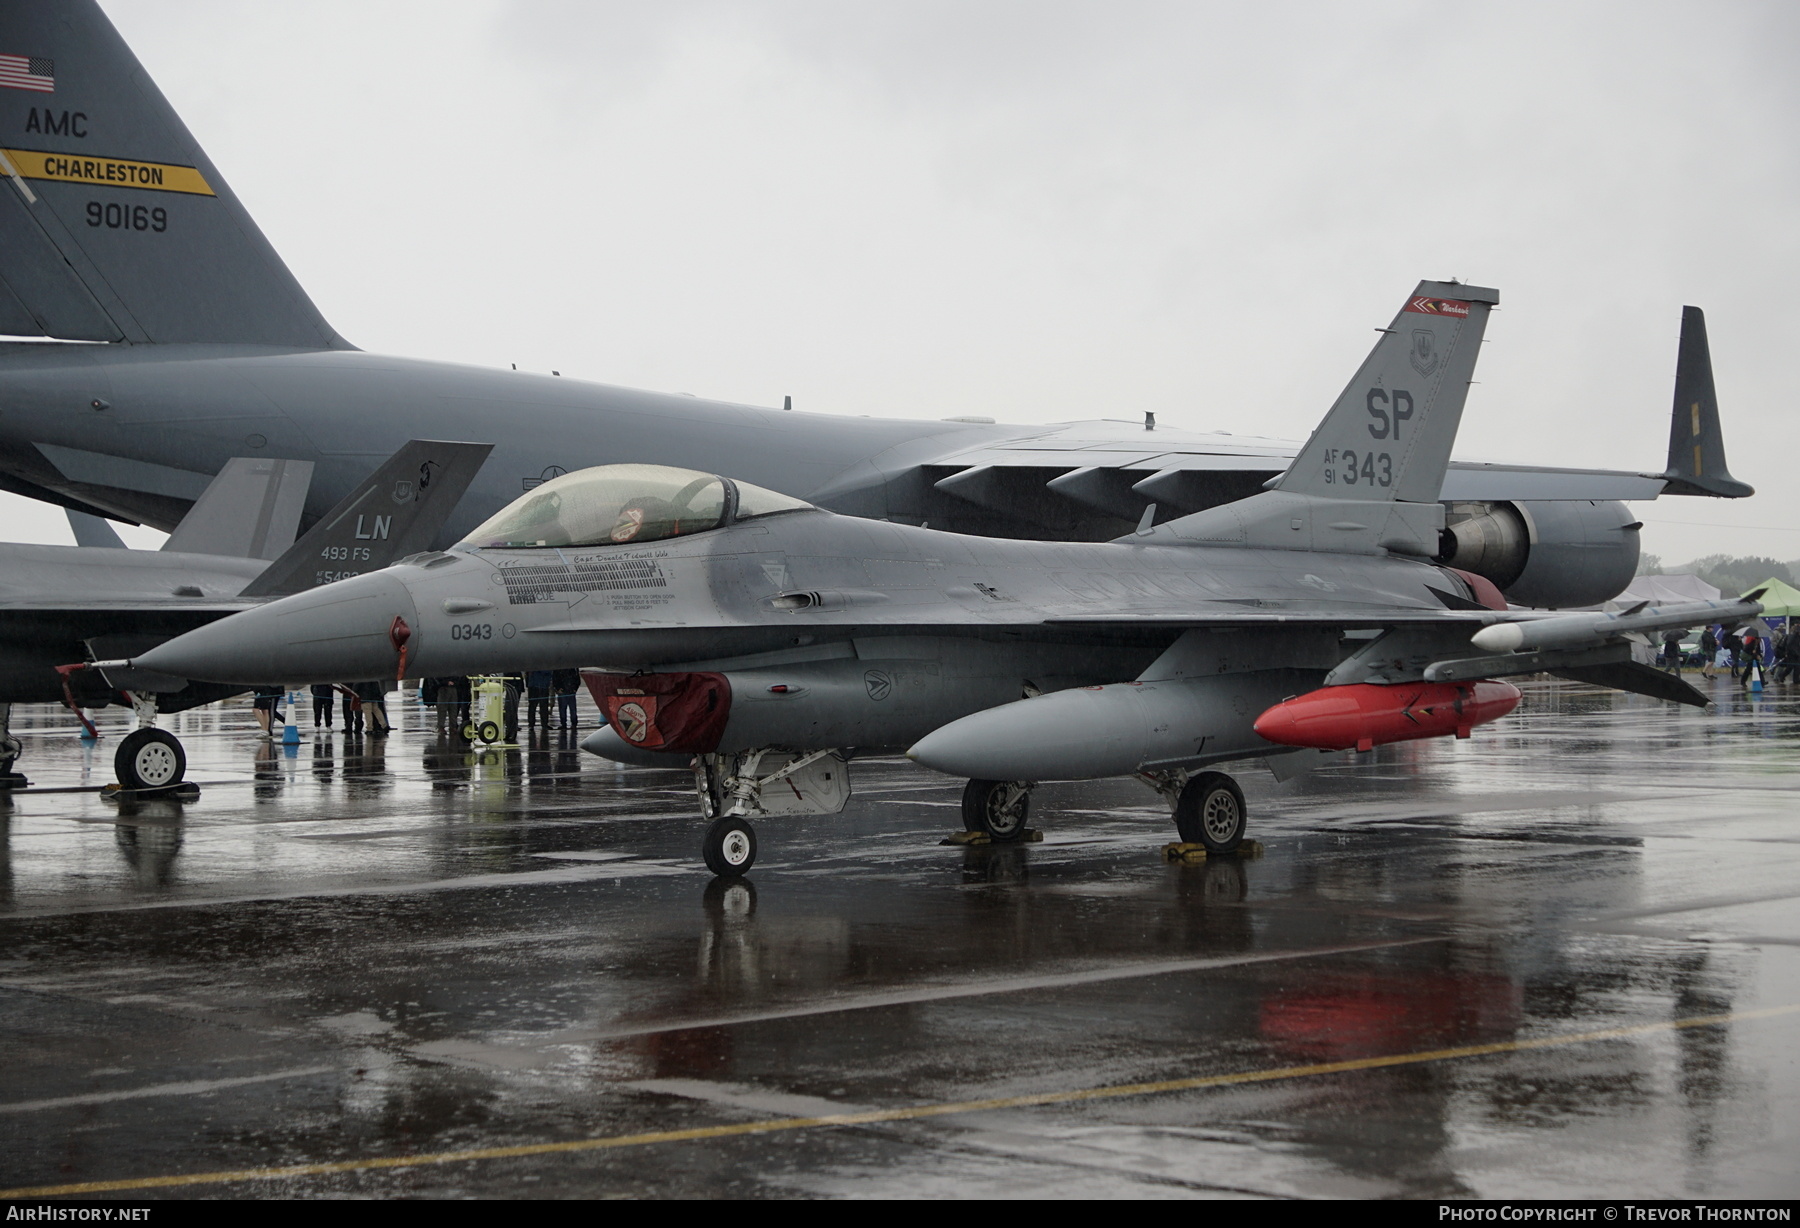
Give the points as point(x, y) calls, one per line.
point(680, 713)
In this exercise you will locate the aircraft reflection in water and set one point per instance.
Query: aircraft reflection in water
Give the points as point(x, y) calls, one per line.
point(771, 641)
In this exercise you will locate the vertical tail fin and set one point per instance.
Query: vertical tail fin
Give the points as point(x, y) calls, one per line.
point(1389, 434)
point(114, 224)
point(395, 512)
point(1369, 478)
point(251, 510)
point(1696, 440)
point(94, 531)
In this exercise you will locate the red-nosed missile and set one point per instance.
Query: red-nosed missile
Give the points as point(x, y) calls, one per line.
point(1366, 715)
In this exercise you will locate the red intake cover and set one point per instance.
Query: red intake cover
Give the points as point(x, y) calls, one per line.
point(681, 713)
point(1366, 715)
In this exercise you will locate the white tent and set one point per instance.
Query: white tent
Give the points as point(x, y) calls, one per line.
point(1666, 590)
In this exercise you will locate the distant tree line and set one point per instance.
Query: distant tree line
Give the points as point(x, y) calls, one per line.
point(1728, 573)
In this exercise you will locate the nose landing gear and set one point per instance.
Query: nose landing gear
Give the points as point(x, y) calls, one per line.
point(729, 847)
point(150, 759)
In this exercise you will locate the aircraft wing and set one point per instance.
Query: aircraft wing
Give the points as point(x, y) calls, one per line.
point(1194, 470)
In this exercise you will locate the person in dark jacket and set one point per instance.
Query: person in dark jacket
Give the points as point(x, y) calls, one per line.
point(371, 705)
point(268, 708)
point(567, 685)
point(322, 695)
point(1671, 653)
point(1734, 644)
point(537, 696)
point(1709, 648)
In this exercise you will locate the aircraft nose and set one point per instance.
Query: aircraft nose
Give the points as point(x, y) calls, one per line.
point(352, 630)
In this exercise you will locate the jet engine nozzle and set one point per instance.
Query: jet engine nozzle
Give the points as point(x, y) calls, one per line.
point(1367, 715)
point(341, 632)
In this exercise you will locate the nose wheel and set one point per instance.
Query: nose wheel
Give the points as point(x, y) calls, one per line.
point(729, 847)
point(1210, 811)
point(150, 759)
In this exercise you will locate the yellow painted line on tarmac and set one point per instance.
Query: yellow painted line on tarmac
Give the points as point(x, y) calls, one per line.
point(915, 1113)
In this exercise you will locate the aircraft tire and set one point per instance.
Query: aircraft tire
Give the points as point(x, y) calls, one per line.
point(997, 807)
point(489, 732)
point(1211, 811)
point(729, 847)
point(150, 759)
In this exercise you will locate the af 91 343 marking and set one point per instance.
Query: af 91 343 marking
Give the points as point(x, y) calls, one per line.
point(1348, 467)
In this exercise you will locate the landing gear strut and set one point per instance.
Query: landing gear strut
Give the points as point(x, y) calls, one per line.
point(734, 788)
point(1210, 811)
point(997, 807)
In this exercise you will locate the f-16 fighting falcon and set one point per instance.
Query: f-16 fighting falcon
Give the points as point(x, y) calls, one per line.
point(770, 642)
point(116, 229)
point(61, 606)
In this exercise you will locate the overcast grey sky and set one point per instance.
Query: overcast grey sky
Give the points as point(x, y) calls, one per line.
point(1041, 211)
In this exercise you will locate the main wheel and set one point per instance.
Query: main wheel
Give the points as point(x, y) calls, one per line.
point(150, 759)
point(729, 847)
point(489, 731)
point(997, 807)
point(1210, 811)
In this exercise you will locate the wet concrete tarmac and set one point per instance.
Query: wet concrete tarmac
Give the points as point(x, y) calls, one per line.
point(361, 951)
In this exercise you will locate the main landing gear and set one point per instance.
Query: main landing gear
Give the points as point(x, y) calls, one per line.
point(1208, 807)
point(997, 809)
point(1210, 811)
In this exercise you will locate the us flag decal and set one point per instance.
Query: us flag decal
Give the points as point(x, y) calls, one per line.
point(28, 72)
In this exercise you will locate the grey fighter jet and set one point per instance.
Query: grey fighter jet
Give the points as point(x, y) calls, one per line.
point(770, 641)
point(64, 606)
point(116, 229)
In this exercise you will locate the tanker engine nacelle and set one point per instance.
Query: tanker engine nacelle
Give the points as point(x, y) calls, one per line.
point(1554, 554)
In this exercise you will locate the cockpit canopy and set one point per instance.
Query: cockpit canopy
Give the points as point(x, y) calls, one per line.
point(625, 505)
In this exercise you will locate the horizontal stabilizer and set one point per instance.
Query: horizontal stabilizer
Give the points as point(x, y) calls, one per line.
point(251, 510)
point(1639, 679)
point(395, 512)
point(1696, 440)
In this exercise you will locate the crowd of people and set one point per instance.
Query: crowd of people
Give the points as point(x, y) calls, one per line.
point(546, 694)
point(1742, 652)
point(549, 698)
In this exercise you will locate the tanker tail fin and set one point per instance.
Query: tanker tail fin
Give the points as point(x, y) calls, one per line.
point(114, 224)
point(1696, 440)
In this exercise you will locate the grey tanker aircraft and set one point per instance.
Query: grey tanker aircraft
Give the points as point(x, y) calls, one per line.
point(769, 641)
point(196, 344)
point(62, 606)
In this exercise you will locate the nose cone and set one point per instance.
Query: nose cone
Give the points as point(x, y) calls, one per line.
point(335, 633)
